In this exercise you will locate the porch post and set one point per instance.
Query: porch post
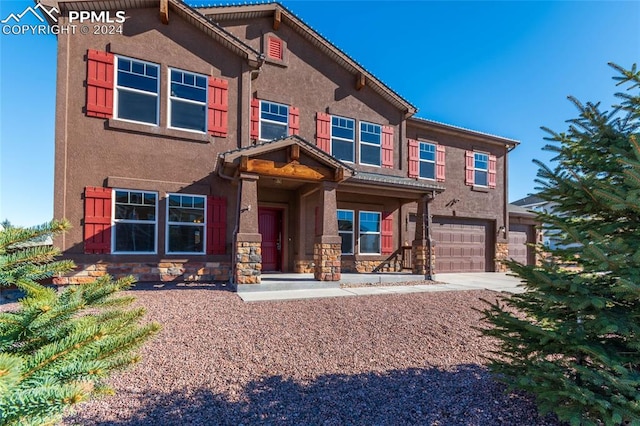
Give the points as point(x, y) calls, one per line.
point(423, 251)
point(327, 246)
point(248, 252)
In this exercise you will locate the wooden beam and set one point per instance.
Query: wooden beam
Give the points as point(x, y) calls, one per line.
point(294, 153)
point(339, 175)
point(244, 163)
point(361, 81)
point(164, 11)
point(287, 170)
point(277, 19)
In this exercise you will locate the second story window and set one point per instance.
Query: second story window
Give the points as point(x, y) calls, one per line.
point(481, 169)
point(274, 120)
point(188, 101)
point(427, 160)
point(137, 90)
point(342, 138)
point(370, 140)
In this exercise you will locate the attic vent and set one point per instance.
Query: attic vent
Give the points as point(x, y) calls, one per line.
point(275, 48)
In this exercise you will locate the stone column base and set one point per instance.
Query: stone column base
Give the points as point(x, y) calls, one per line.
point(502, 253)
point(420, 253)
point(326, 256)
point(248, 262)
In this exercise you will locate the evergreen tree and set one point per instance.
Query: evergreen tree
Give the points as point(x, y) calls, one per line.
point(573, 338)
point(58, 347)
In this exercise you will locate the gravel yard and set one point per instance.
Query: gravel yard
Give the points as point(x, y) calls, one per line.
point(374, 360)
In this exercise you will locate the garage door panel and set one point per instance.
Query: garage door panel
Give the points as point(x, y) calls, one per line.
point(519, 236)
point(461, 245)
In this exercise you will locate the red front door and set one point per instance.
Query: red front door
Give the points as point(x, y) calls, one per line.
point(270, 227)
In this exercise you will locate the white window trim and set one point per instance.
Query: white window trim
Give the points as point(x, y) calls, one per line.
point(115, 221)
point(480, 170)
point(117, 89)
point(203, 225)
point(379, 146)
point(352, 232)
point(189, 101)
point(370, 233)
point(352, 141)
point(260, 119)
point(435, 160)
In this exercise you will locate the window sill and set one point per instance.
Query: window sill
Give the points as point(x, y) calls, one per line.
point(126, 126)
point(480, 188)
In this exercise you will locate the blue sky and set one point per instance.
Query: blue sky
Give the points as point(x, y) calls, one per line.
point(504, 68)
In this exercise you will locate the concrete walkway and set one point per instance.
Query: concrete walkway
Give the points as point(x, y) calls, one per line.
point(301, 286)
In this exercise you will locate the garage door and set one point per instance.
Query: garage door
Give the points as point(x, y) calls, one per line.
point(519, 236)
point(462, 245)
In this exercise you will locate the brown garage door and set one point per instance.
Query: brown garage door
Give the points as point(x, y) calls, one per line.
point(462, 245)
point(519, 236)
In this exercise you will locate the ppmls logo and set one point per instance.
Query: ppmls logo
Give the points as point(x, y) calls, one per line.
point(33, 11)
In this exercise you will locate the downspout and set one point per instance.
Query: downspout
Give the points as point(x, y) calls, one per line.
point(237, 224)
point(430, 276)
point(234, 234)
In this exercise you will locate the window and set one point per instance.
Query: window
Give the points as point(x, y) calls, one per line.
point(188, 101)
point(427, 160)
point(137, 90)
point(342, 138)
point(186, 224)
point(274, 120)
point(345, 230)
point(370, 137)
point(480, 169)
point(135, 220)
point(369, 232)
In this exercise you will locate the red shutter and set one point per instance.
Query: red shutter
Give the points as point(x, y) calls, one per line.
point(216, 225)
point(218, 106)
point(97, 220)
point(469, 178)
point(274, 48)
point(323, 131)
point(414, 166)
point(440, 160)
point(387, 147)
point(99, 84)
point(492, 171)
point(255, 119)
point(294, 121)
point(387, 233)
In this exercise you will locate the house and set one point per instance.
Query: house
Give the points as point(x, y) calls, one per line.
point(223, 143)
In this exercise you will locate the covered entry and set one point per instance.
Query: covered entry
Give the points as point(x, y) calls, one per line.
point(462, 245)
point(286, 201)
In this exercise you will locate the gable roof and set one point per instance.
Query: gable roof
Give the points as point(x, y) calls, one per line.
point(278, 144)
point(186, 12)
point(249, 11)
point(530, 200)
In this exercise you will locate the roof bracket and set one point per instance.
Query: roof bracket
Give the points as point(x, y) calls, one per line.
point(361, 81)
point(277, 19)
point(164, 11)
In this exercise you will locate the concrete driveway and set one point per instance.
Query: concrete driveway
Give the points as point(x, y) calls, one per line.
point(497, 281)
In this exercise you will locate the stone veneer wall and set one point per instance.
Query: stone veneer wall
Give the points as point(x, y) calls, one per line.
point(327, 261)
point(303, 266)
point(149, 271)
point(368, 266)
point(248, 262)
point(502, 253)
